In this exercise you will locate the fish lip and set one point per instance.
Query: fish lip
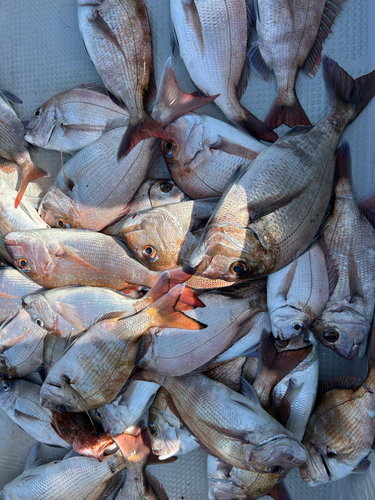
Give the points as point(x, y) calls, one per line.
point(354, 351)
point(10, 242)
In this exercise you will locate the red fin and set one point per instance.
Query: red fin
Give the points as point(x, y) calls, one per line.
point(279, 492)
point(133, 448)
point(290, 114)
point(165, 315)
point(187, 298)
point(342, 88)
point(173, 101)
point(7, 165)
point(139, 131)
point(256, 127)
point(29, 173)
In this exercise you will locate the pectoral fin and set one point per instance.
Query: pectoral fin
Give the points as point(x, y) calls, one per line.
point(232, 148)
point(193, 20)
point(67, 253)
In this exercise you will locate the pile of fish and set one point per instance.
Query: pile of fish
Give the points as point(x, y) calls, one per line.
point(143, 319)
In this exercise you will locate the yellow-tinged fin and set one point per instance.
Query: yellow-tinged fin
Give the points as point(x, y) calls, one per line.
point(164, 314)
point(29, 173)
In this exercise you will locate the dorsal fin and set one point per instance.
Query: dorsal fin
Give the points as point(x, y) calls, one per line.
point(340, 382)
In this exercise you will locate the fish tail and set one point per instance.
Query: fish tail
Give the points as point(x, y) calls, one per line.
point(29, 173)
point(171, 102)
point(346, 93)
point(343, 161)
point(142, 129)
point(165, 315)
point(255, 127)
point(286, 111)
point(134, 448)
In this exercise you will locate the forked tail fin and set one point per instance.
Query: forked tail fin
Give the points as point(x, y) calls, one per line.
point(290, 113)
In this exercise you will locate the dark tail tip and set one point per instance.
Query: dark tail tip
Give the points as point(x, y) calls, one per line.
point(341, 86)
point(144, 129)
point(343, 160)
point(291, 115)
point(257, 128)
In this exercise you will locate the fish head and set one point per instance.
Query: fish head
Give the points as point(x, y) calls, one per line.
point(8, 392)
point(324, 464)
point(344, 331)
point(41, 127)
point(164, 192)
point(57, 209)
point(232, 254)
point(155, 239)
point(289, 323)
point(185, 143)
point(59, 396)
point(41, 312)
point(30, 253)
point(163, 431)
point(278, 455)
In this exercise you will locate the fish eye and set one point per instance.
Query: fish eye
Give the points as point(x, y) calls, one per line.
point(281, 343)
point(150, 253)
point(152, 429)
point(24, 265)
point(39, 322)
point(238, 268)
point(6, 386)
point(169, 147)
point(331, 336)
point(62, 223)
point(38, 112)
point(275, 469)
point(166, 186)
point(298, 326)
point(99, 414)
point(62, 408)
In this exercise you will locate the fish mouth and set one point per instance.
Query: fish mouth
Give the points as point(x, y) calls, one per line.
point(282, 450)
point(316, 470)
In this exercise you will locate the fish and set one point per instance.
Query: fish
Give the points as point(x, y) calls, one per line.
point(172, 352)
point(341, 431)
point(13, 286)
point(13, 149)
point(213, 42)
point(128, 407)
point(275, 364)
point(139, 485)
point(202, 153)
point(73, 119)
point(293, 398)
point(162, 237)
point(169, 437)
point(117, 37)
point(349, 240)
point(154, 193)
point(273, 210)
point(21, 346)
point(20, 400)
point(298, 293)
point(79, 198)
point(56, 258)
point(78, 431)
point(290, 36)
point(68, 311)
point(226, 482)
point(231, 426)
point(93, 370)
point(87, 478)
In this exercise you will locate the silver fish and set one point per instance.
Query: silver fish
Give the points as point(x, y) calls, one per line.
point(94, 189)
point(213, 40)
point(349, 240)
point(173, 352)
point(274, 209)
point(20, 400)
point(71, 120)
point(88, 478)
point(13, 150)
point(291, 35)
point(168, 435)
point(298, 293)
point(202, 153)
